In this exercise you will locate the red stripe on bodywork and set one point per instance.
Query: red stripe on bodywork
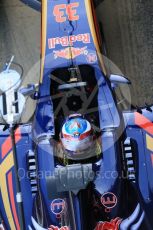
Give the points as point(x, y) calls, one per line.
point(7, 145)
point(11, 193)
point(96, 25)
point(144, 123)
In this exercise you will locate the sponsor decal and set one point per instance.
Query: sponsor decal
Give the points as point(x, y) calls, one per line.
point(69, 53)
point(134, 221)
point(52, 227)
point(57, 228)
point(68, 40)
point(57, 206)
point(112, 225)
point(91, 58)
point(65, 12)
point(109, 200)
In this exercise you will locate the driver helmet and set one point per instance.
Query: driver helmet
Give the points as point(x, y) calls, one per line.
point(77, 136)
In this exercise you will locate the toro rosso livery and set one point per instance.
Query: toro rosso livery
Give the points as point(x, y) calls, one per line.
point(82, 163)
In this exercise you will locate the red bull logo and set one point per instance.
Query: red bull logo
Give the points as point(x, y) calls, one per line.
point(57, 228)
point(69, 53)
point(68, 40)
point(112, 225)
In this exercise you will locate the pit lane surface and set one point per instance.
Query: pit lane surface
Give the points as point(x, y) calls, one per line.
point(128, 29)
point(20, 36)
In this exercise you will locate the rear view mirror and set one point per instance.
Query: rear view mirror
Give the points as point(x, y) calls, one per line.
point(119, 79)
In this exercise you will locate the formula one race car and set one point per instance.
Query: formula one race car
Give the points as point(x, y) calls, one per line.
point(82, 163)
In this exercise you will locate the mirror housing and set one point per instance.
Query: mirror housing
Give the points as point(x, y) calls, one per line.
point(30, 90)
point(119, 79)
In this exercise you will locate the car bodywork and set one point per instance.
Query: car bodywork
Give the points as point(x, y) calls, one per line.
point(36, 4)
point(114, 189)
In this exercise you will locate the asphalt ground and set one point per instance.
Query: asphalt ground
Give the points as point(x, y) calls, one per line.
point(128, 31)
point(20, 36)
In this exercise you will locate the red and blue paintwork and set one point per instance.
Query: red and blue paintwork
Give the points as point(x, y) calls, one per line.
point(112, 196)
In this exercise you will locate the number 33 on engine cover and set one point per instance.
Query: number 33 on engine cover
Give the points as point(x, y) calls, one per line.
point(63, 12)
